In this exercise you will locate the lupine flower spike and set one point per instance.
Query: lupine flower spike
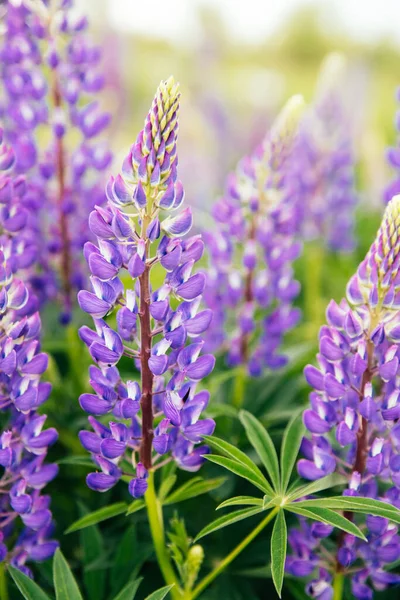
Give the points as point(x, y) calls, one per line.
point(138, 233)
point(324, 164)
point(393, 158)
point(353, 421)
point(250, 284)
point(25, 519)
point(64, 183)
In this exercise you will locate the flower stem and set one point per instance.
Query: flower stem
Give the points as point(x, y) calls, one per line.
point(3, 583)
point(338, 585)
point(146, 374)
point(204, 583)
point(156, 522)
point(66, 265)
point(239, 385)
point(313, 292)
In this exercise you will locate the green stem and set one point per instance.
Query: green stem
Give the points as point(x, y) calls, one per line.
point(338, 584)
point(3, 583)
point(239, 386)
point(204, 583)
point(313, 292)
point(156, 522)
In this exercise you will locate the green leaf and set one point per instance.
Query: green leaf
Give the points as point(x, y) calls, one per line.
point(97, 516)
point(28, 588)
point(290, 448)
point(135, 506)
point(278, 551)
point(192, 488)
point(234, 453)
point(241, 470)
point(64, 582)
point(233, 517)
point(263, 445)
point(129, 591)
point(93, 549)
point(354, 504)
point(241, 501)
point(161, 593)
point(317, 486)
point(166, 486)
point(81, 461)
point(328, 516)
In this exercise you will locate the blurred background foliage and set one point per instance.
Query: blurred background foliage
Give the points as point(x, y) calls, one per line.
point(231, 91)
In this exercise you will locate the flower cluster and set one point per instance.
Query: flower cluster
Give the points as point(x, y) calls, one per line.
point(159, 327)
point(250, 283)
point(324, 165)
point(64, 178)
point(393, 158)
point(353, 419)
point(23, 442)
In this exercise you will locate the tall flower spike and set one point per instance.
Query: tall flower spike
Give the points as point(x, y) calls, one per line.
point(393, 158)
point(25, 518)
point(160, 329)
point(324, 165)
point(353, 419)
point(252, 251)
point(64, 183)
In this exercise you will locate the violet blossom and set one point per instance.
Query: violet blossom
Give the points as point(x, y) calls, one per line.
point(393, 158)
point(25, 521)
point(157, 321)
point(324, 165)
point(353, 421)
point(64, 183)
point(250, 281)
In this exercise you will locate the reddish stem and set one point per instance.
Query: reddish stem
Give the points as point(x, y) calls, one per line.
point(62, 217)
point(146, 374)
point(248, 297)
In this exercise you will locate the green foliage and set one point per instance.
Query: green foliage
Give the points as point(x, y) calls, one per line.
point(65, 584)
point(28, 588)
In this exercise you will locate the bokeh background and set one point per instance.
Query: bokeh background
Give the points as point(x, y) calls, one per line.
point(237, 62)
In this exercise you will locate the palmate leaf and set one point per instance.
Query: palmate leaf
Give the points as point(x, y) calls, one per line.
point(316, 486)
point(233, 517)
point(290, 448)
point(237, 455)
point(166, 486)
point(241, 501)
point(64, 582)
point(135, 506)
point(263, 445)
point(161, 593)
point(278, 551)
point(107, 512)
point(242, 470)
point(192, 488)
point(354, 504)
point(28, 588)
point(328, 516)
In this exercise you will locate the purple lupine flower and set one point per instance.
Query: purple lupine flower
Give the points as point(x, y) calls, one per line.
point(353, 418)
point(158, 322)
point(64, 183)
point(324, 165)
point(393, 158)
point(24, 441)
point(250, 283)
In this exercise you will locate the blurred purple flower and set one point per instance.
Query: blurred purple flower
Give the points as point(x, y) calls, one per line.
point(250, 284)
point(64, 183)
